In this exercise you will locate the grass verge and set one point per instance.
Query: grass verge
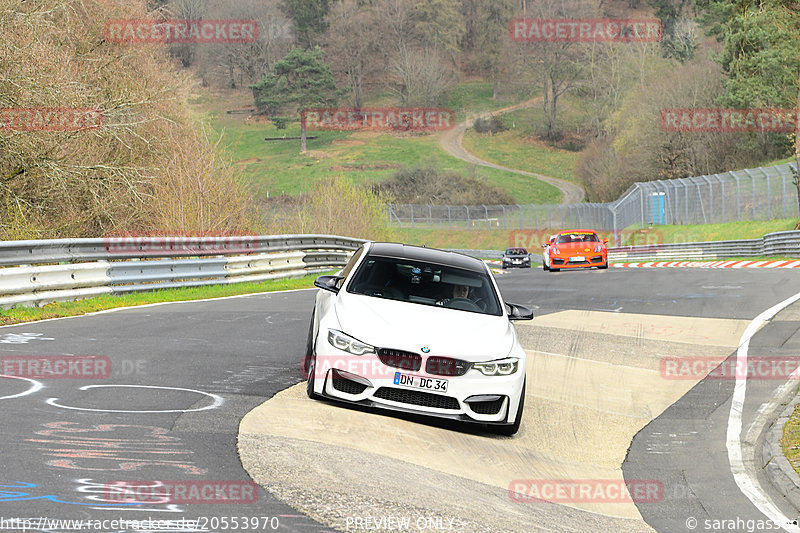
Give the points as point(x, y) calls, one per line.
point(790, 442)
point(532, 238)
point(108, 301)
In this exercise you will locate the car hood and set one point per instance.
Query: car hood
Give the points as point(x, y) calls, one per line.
point(571, 247)
point(409, 326)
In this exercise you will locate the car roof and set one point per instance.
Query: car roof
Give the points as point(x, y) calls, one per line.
point(429, 255)
point(565, 232)
point(516, 249)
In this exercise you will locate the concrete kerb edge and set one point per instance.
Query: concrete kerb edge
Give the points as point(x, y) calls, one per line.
point(776, 467)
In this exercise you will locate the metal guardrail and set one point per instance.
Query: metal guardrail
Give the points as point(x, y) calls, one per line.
point(782, 243)
point(39, 272)
point(779, 244)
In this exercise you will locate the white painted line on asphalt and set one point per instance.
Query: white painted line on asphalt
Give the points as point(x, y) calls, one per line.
point(35, 386)
point(218, 400)
point(141, 306)
point(743, 470)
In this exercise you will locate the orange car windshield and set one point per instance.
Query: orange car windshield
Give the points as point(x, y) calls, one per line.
point(577, 237)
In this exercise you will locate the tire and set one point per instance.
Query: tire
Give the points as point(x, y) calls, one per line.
point(544, 267)
point(603, 267)
point(554, 269)
point(309, 362)
point(511, 429)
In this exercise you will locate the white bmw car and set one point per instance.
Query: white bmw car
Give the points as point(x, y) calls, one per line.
point(418, 330)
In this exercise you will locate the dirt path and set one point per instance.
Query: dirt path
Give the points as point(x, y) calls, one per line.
point(451, 142)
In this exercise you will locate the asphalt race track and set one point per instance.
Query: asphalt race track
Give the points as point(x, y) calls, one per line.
point(599, 408)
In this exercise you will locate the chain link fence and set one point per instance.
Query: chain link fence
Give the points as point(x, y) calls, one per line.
point(751, 194)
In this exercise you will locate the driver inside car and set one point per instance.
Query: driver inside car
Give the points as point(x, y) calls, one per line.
point(459, 291)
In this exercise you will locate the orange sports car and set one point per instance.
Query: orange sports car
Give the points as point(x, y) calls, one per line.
point(578, 248)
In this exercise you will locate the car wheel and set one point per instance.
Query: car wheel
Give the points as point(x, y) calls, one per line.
point(551, 269)
point(504, 267)
point(310, 362)
point(603, 267)
point(513, 428)
point(544, 267)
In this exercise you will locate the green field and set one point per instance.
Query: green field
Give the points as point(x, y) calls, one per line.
point(277, 167)
point(517, 147)
point(108, 301)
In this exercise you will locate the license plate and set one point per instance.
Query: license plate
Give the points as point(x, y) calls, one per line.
point(577, 259)
point(417, 382)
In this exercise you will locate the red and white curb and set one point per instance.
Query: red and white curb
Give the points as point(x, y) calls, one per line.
point(713, 264)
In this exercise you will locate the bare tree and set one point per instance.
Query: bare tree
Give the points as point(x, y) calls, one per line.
point(421, 76)
point(557, 65)
point(237, 65)
point(353, 43)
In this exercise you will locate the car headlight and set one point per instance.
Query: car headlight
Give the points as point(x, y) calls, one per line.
point(346, 343)
point(598, 248)
point(501, 367)
point(526, 258)
point(554, 250)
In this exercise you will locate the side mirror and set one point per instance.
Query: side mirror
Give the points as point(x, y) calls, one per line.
point(605, 241)
point(328, 283)
point(519, 312)
point(545, 245)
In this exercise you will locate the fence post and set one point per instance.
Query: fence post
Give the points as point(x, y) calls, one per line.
point(722, 192)
point(504, 216)
point(469, 222)
point(710, 199)
point(686, 197)
point(783, 181)
point(738, 198)
point(753, 179)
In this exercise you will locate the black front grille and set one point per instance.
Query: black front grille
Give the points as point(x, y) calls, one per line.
point(597, 259)
point(446, 366)
point(487, 408)
point(557, 261)
point(400, 359)
point(347, 386)
point(413, 397)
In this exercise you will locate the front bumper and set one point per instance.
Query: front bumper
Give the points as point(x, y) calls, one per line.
point(512, 263)
point(594, 260)
point(472, 397)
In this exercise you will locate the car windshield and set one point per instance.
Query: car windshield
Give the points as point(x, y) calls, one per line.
point(577, 237)
point(516, 251)
point(425, 284)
